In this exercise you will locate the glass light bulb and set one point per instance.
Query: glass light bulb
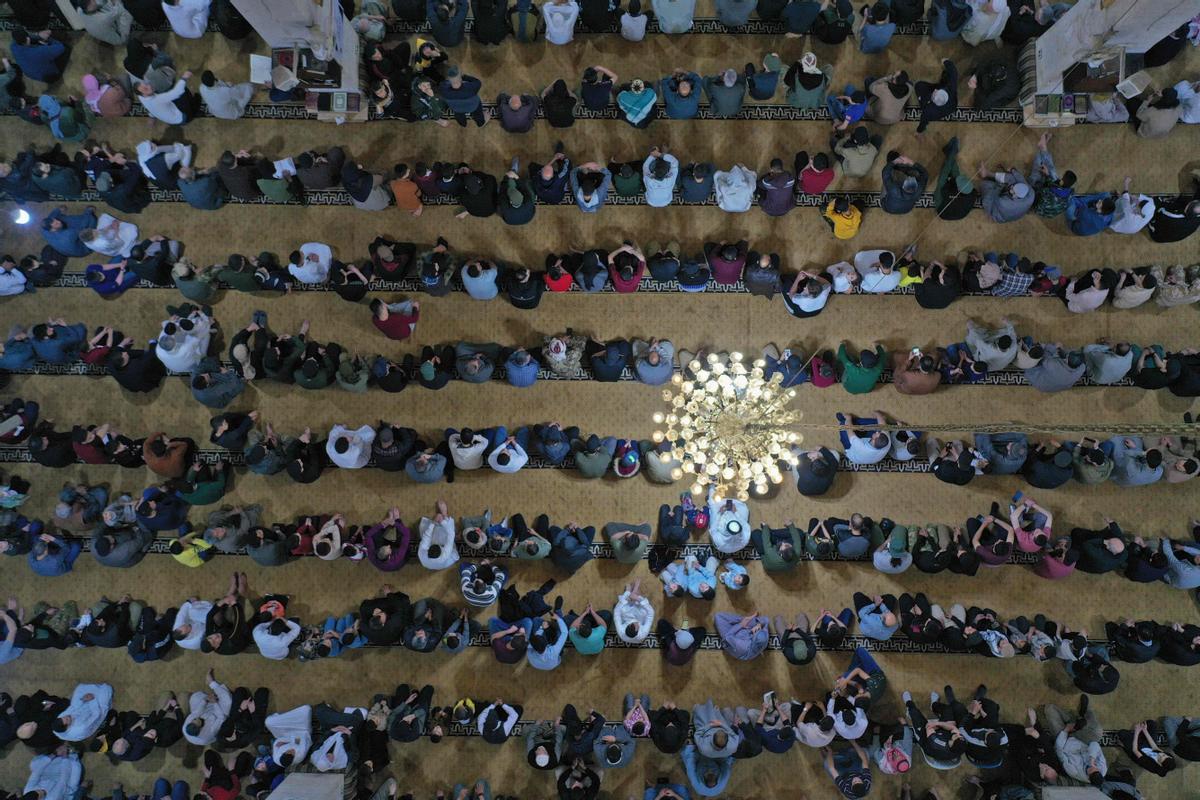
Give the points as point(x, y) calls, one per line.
point(736, 356)
point(677, 378)
point(728, 473)
point(712, 469)
point(676, 473)
point(688, 387)
point(658, 417)
point(713, 358)
point(658, 437)
point(759, 363)
point(697, 488)
point(701, 376)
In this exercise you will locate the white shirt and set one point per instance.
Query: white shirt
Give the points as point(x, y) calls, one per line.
point(984, 345)
point(470, 456)
point(210, 714)
point(840, 274)
point(899, 449)
point(358, 453)
point(226, 100)
point(660, 191)
point(86, 715)
point(882, 560)
point(813, 736)
point(331, 755)
point(1085, 300)
point(861, 451)
point(517, 458)
point(850, 732)
point(633, 28)
point(808, 303)
point(560, 21)
point(46, 774)
point(162, 106)
point(194, 613)
point(639, 612)
point(719, 518)
point(1189, 103)
point(12, 281)
point(186, 347)
point(292, 731)
point(441, 534)
point(866, 263)
point(735, 188)
point(1128, 218)
point(177, 153)
point(118, 241)
point(331, 533)
point(275, 645)
point(312, 270)
point(189, 18)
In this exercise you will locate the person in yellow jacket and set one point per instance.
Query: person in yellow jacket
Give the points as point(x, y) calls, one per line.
point(843, 217)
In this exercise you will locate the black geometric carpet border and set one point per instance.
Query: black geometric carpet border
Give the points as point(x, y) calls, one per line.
point(340, 197)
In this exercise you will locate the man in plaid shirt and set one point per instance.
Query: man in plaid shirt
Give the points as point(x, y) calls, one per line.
point(1016, 276)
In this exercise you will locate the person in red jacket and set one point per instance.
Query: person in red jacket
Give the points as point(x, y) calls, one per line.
point(396, 320)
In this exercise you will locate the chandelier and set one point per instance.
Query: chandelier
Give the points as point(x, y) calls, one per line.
point(729, 426)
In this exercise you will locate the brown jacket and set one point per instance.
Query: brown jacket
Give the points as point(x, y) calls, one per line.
point(883, 106)
point(912, 381)
point(173, 464)
point(1154, 123)
point(114, 102)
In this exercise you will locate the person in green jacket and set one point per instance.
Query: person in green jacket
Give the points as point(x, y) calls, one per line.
point(594, 454)
point(194, 283)
point(1092, 464)
point(529, 545)
point(285, 188)
point(780, 549)
point(353, 373)
point(205, 484)
point(426, 103)
point(860, 377)
point(629, 542)
point(239, 275)
point(317, 369)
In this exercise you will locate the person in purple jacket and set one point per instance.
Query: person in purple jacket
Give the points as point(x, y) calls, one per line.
point(387, 543)
point(776, 190)
point(110, 280)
